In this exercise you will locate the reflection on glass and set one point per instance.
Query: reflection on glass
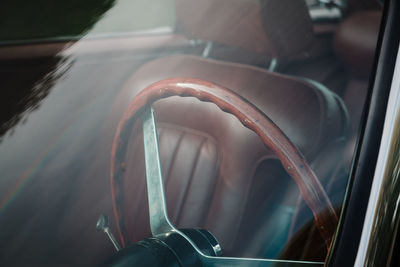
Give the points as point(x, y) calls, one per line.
point(22, 20)
point(25, 86)
point(68, 71)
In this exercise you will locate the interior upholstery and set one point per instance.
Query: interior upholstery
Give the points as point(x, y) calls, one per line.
point(355, 43)
point(281, 29)
point(210, 160)
point(358, 5)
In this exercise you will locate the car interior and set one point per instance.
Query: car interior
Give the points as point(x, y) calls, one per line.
point(305, 64)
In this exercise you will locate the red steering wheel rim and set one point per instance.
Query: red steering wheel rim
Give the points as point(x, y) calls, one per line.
point(251, 117)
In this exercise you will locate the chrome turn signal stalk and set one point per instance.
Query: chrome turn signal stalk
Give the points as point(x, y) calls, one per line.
point(103, 225)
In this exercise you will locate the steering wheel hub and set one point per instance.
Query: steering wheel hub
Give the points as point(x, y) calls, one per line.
point(169, 249)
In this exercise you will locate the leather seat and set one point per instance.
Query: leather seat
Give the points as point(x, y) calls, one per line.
point(216, 171)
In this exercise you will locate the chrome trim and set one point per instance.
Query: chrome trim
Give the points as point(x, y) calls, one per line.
point(159, 221)
point(207, 49)
point(382, 214)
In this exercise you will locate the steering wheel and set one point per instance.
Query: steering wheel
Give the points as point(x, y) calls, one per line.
point(200, 244)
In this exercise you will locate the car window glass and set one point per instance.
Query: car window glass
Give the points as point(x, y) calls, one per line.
point(68, 72)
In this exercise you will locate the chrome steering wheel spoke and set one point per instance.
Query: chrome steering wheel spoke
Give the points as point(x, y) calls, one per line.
point(159, 221)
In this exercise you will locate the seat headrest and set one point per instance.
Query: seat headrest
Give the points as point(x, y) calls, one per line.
point(279, 28)
point(355, 42)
